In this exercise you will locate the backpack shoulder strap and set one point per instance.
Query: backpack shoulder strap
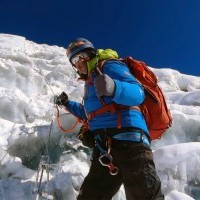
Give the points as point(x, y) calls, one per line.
point(102, 62)
point(111, 108)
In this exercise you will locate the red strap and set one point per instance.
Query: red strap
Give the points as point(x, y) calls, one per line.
point(111, 108)
point(119, 119)
point(60, 126)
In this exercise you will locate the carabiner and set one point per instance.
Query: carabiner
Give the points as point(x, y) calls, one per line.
point(108, 163)
point(113, 169)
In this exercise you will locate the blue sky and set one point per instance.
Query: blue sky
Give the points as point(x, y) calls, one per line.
point(162, 33)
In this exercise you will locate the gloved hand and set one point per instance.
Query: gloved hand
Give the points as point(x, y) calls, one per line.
point(104, 85)
point(61, 99)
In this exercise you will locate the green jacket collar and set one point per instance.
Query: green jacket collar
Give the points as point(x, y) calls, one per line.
point(101, 55)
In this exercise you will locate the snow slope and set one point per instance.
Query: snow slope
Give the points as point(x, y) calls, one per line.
point(30, 75)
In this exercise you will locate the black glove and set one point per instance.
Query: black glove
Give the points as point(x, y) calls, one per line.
point(61, 99)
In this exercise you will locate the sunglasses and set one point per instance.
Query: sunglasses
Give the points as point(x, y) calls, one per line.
point(77, 57)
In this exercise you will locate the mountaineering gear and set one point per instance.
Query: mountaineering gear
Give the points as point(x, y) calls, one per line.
point(59, 122)
point(78, 45)
point(128, 92)
point(105, 157)
point(154, 107)
point(44, 165)
point(122, 153)
point(106, 160)
point(127, 134)
point(104, 138)
point(86, 137)
point(134, 136)
point(61, 99)
point(104, 85)
point(136, 172)
point(76, 58)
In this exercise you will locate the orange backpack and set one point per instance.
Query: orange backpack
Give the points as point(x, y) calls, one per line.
point(154, 107)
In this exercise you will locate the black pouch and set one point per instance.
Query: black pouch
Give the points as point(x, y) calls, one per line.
point(86, 137)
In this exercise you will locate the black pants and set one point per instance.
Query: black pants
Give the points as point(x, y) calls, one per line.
point(136, 171)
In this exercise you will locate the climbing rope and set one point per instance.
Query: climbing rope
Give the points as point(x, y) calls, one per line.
point(59, 123)
point(44, 164)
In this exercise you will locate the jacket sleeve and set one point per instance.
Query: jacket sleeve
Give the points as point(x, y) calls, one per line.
point(76, 109)
point(128, 91)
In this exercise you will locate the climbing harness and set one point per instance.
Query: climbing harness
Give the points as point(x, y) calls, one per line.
point(105, 157)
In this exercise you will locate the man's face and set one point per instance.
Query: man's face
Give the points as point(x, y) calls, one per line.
point(80, 62)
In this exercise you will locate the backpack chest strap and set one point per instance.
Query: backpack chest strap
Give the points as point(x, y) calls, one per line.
point(112, 109)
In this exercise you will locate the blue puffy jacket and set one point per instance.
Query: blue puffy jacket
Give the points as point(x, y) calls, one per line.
point(128, 92)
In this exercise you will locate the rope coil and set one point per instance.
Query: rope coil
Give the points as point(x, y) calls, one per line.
point(59, 122)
